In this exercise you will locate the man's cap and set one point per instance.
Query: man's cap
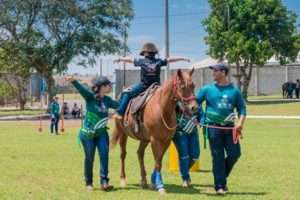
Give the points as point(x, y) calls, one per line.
point(219, 67)
point(55, 97)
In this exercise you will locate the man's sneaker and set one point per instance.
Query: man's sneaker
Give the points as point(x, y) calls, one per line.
point(117, 116)
point(106, 187)
point(89, 187)
point(226, 189)
point(220, 191)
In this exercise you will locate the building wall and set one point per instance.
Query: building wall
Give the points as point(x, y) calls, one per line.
point(265, 80)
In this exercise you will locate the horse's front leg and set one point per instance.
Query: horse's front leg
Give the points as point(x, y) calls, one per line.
point(158, 148)
point(141, 153)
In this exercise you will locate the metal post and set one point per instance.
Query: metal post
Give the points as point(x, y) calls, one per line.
point(100, 67)
point(107, 68)
point(124, 63)
point(167, 38)
point(228, 27)
point(228, 17)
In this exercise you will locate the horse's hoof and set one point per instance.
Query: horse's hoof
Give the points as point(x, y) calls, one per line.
point(162, 191)
point(123, 182)
point(152, 186)
point(144, 184)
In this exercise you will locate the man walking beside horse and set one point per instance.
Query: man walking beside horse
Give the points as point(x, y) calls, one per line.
point(221, 99)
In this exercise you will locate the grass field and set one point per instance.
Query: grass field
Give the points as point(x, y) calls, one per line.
point(4, 113)
point(261, 108)
point(266, 97)
point(39, 166)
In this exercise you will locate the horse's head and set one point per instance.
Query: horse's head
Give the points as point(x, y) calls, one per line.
point(183, 88)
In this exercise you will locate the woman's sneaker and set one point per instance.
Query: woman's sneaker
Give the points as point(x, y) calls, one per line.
point(187, 183)
point(106, 187)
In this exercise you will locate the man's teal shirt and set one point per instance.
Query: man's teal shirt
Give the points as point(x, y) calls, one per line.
point(220, 103)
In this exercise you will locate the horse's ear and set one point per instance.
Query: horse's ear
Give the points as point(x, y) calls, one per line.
point(192, 71)
point(179, 73)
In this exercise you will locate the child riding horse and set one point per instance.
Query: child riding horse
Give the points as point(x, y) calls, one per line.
point(150, 73)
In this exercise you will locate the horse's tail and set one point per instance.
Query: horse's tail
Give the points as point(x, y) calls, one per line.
point(115, 138)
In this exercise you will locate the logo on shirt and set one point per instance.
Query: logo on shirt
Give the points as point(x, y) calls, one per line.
point(103, 108)
point(225, 104)
point(151, 68)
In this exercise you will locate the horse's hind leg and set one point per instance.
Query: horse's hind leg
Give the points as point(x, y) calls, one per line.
point(123, 142)
point(141, 153)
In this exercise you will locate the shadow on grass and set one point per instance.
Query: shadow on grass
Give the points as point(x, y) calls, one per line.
point(239, 194)
point(205, 171)
point(203, 185)
point(178, 189)
point(172, 188)
point(128, 187)
point(229, 193)
point(60, 134)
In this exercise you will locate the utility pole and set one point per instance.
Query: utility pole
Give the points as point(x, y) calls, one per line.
point(167, 71)
point(228, 27)
point(228, 17)
point(107, 67)
point(124, 63)
point(100, 67)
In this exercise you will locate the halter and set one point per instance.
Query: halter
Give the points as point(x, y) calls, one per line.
point(176, 92)
point(180, 98)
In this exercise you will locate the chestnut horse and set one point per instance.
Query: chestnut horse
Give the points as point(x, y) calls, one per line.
point(159, 124)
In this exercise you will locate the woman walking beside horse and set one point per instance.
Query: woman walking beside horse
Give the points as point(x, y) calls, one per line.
point(94, 134)
point(186, 140)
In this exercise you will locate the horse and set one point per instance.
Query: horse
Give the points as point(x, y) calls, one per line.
point(284, 88)
point(159, 124)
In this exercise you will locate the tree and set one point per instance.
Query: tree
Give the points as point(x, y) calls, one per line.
point(253, 32)
point(15, 74)
point(6, 93)
point(52, 33)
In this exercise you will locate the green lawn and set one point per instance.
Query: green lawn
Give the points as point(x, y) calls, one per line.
point(275, 108)
point(4, 113)
point(39, 166)
point(266, 97)
point(261, 108)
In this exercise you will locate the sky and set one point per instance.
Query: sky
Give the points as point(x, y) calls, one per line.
point(186, 33)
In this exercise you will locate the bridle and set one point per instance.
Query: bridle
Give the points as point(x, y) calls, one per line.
point(177, 97)
point(177, 93)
